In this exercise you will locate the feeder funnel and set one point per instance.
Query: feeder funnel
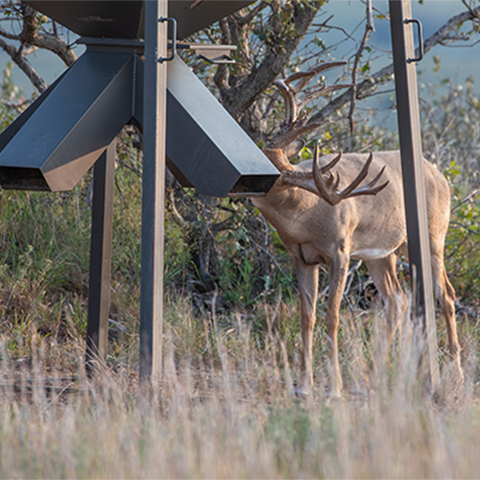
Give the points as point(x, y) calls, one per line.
point(207, 145)
point(60, 136)
point(125, 19)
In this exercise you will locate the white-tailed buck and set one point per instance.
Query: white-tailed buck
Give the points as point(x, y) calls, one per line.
point(321, 223)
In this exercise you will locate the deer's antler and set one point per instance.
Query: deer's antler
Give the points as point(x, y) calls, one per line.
point(293, 126)
point(327, 187)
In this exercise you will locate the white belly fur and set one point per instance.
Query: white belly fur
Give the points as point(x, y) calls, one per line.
point(370, 254)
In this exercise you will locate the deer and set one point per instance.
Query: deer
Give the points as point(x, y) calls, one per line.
point(321, 223)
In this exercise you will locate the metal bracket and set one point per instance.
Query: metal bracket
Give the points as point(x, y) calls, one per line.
point(209, 52)
point(173, 41)
point(217, 54)
point(420, 39)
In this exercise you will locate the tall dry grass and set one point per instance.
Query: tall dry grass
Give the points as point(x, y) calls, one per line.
point(224, 408)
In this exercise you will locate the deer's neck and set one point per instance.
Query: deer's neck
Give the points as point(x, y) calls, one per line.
point(282, 204)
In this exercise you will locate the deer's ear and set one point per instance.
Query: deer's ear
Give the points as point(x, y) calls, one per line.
point(294, 148)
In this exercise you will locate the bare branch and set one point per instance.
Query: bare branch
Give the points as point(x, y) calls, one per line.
point(386, 73)
point(369, 28)
point(9, 35)
point(30, 40)
point(55, 45)
point(221, 75)
point(473, 12)
point(370, 24)
point(24, 65)
point(245, 19)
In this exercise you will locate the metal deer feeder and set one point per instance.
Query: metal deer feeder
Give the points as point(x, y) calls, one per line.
point(130, 74)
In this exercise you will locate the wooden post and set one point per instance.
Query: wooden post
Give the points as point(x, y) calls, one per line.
point(151, 302)
point(413, 182)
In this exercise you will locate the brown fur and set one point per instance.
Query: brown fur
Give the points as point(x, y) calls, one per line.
point(370, 228)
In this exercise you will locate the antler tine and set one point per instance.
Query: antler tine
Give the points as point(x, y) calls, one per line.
point(306, 77)
point(323, 185)
point(293, 127)
point(287, 139)
point(297, 75)
point(329, 165)
point(290, 103)
point(368, 188)
point(323, 90)
point(329, 192)
point(359, 178)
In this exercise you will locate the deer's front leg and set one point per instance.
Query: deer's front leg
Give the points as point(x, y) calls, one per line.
point(308, 288)
point(338, 269)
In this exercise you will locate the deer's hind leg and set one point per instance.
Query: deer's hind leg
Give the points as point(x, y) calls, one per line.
point(384, 275)
point(451, 388)
point(446, 297)
point(307, 276)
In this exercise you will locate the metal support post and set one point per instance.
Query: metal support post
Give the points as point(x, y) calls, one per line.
point(100, 258)
point(155, 83)
point(413, 181)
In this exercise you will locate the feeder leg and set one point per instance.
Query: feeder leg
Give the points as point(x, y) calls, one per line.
point(153, 202)
point(414, 185)
point(100, 258)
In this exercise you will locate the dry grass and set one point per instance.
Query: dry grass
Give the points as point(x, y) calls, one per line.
point(224, 408)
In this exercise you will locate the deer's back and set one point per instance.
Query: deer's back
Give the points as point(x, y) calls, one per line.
point(374, 223)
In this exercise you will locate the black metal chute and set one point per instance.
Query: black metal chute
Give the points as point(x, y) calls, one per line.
point(61, 135)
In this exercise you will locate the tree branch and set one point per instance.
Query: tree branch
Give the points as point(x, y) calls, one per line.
point(369, 28)
point(386, 73)
point(221, 75)
point(245, 19)
point(31, 39)
point(24, 65)
point(55, 45)
point(239, 98)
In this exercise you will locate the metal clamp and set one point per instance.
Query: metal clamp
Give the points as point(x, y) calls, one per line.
point(173, 41)
point(420, 39)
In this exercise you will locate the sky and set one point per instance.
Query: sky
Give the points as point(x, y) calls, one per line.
point(457, 60)
point(458, 63)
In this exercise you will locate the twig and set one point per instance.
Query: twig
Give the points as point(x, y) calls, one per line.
point(473, 194)
point(473, 12)
point(461, 225)
point(274, 260)
point(369, 28)
point(176, 213)
point(245, 19)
